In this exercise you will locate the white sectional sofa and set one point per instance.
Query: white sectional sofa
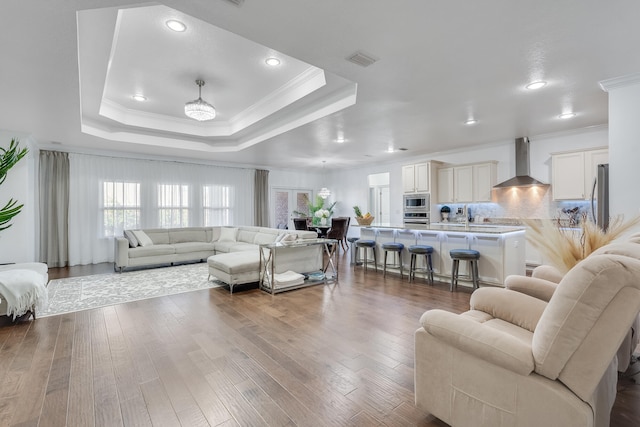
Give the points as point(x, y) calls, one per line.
point(232, 253)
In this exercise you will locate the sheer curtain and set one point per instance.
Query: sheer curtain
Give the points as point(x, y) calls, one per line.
point(262, 198)
point(110, 194)
point(54, 208)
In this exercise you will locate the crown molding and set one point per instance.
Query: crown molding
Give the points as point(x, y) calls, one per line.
point(620, 82)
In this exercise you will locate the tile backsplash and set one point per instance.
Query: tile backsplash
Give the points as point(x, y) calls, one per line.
point(512, 204)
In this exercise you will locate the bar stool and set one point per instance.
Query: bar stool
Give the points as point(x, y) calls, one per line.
point(396, 248)
point(366, 244)
point(352, 243)
point(418, 250)
point(458, 255)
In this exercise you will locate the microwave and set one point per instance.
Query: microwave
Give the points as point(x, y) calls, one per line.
point(417, 202)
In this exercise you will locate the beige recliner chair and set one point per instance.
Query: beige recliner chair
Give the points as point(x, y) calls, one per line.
point(516, 360)
point(542, 284)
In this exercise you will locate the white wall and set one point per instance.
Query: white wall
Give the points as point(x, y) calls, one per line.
point(18, 243)
point(624, 150)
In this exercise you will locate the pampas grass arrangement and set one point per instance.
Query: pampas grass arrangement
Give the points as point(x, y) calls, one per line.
point(565, 247)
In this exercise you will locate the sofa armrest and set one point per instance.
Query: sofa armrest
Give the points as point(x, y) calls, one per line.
point(532, 286)
point(547, 272)
point(486, 343)
point(511, 306)
point(122, 252)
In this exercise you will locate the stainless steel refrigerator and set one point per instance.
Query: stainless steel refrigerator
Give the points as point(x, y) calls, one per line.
point(600, 201)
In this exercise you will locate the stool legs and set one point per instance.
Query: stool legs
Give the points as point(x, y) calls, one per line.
point(365, 260)
point(384, 269)
point(473, 272)
point(413, 266)
point(454, 274)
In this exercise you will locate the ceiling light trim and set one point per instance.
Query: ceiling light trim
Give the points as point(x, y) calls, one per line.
point(300, 86)
point(619, 82)
point(332, 103)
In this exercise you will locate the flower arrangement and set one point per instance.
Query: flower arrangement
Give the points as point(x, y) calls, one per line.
point(322, 213)
point(317, 211)
point(565, 247)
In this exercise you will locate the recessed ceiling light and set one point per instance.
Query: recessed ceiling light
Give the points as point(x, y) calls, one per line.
point(273, 62)
point(567, 115)
point(139, 97)
point(536, 85)
point(340, 140)
point(176, 26)
point(390, 150)
point(471, 122)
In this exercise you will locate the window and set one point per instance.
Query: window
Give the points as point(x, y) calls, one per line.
point(173, 205)
point(120, 207)
point(216, 204)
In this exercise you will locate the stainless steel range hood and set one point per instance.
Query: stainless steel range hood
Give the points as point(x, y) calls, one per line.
point(522, 178)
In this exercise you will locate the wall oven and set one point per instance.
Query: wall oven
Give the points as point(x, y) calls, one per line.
point(416, 208)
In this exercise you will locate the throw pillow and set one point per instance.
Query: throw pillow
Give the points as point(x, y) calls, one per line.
point(290, 237)
point(133, 242)
point(228, 234)
point(142, 237)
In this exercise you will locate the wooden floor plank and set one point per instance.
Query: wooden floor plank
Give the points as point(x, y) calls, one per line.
point(334, 355)
point(80, 410)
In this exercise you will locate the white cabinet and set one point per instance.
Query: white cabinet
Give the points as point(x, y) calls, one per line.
point(445, 185)
point(463, 184)
point(484, 178)
point(418, 178)
point(573, 173)
point(466, 183)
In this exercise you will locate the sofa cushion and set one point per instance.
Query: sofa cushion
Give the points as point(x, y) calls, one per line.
point(235, 263)
point(233, 246)
point(153, 250)
point(264, 238)
point(188, 247)
point(133, 242)
point(246, 236)
point(228, 234)
point(188, 235)
point(142, 238)
point(160, 236)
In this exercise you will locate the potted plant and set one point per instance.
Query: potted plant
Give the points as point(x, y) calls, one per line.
point(8, 158)
point(444, 213)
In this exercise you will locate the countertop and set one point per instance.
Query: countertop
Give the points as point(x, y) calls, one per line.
point(453, 227)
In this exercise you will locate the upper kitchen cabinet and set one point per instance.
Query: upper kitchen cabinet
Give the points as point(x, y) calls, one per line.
point(419, 177)
point(484, 178)
point(466, 183)
point(573, 173)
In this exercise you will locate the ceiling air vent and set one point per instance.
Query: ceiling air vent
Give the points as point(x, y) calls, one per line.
point(362, 59)
point(236, 2)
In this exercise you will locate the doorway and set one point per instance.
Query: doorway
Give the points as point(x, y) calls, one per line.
point(287, 201)
point(379, 199)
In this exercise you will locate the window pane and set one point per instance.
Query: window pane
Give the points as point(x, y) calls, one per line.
point(216, 202)
point(173, 204)
point(120, 207)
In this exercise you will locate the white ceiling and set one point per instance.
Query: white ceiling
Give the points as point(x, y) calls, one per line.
point(70, 68)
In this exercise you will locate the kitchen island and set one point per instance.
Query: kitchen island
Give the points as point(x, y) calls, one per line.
point(502, 248)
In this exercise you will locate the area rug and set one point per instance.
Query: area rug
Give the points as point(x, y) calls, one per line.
point(100, 290)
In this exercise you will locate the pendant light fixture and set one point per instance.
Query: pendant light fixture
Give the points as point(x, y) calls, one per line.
point(324, 191)
point(199, 109)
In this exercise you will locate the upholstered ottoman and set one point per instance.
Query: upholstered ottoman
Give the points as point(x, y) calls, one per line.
point(235, 268)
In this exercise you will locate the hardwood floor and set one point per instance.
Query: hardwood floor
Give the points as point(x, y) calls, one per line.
point(335, 355)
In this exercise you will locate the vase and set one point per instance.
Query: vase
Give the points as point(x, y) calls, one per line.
point(323, 221)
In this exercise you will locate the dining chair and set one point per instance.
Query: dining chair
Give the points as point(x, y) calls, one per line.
point(338, 230)
point(300, 223)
